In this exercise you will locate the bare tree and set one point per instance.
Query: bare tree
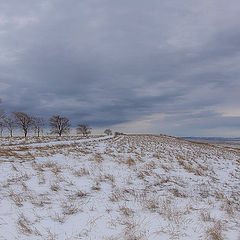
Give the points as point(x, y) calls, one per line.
point(24, 121)
point(108, 132)
point(1, 121)
point(1, 128)
point(83, 129)
point(10, 124)
point(38, 124)
point(2, 113)
point(59, 125)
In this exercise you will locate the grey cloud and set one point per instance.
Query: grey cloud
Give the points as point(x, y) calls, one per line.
point(111, 62)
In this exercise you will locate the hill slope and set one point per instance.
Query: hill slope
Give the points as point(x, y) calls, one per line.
point(130, 187)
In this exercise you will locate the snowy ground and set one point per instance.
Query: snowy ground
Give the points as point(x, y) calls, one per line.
point(129, 188)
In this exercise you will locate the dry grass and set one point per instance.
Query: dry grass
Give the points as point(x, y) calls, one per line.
point(215, 232)
point(116, 195)
point(130, 162)
point(96, 187)
point(70, 208)
point(24, 225)
point(59, 218)
point(17, 198)
point(126, 211)
point(98, 158)
point(55, 187)
point(206, 216)
point(81, 172)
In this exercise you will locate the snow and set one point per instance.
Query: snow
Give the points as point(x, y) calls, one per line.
point(129, 187)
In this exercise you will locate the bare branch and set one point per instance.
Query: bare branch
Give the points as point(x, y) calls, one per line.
point(10, 124)
point(59, 125)
point(83, 129)
point(24, 121)
point(38, 124)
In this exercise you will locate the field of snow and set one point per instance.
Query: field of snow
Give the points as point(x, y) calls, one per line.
point(131, 187)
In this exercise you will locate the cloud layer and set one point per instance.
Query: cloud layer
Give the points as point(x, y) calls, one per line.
point(139, 66)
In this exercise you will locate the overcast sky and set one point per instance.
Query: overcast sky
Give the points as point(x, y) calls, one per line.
point(141, 66)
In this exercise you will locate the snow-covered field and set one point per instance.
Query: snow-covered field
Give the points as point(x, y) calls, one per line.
point(128, 187)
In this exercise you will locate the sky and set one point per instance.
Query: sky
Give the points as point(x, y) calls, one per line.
point(135, 66)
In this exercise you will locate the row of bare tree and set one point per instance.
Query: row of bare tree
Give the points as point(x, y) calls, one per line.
point(59, 125)
point(23, 120)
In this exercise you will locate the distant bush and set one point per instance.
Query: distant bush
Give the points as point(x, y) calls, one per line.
point(118, 134)
point(108, 132)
